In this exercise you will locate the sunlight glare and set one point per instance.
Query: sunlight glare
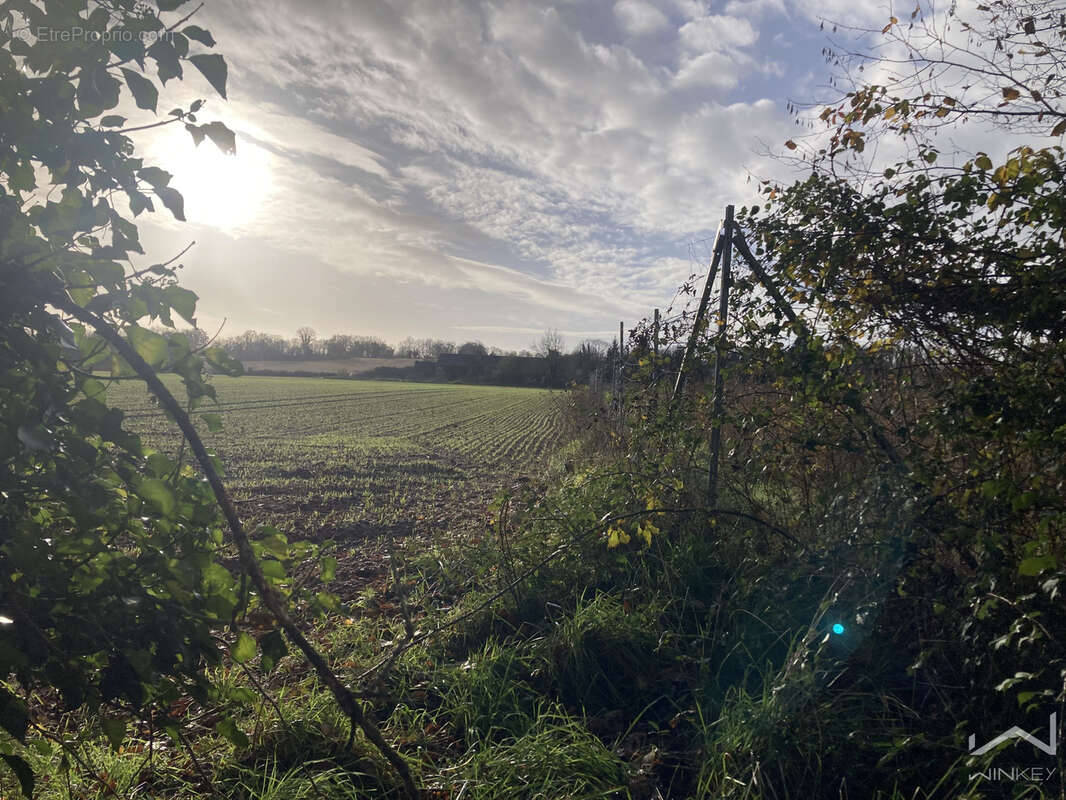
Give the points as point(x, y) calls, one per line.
point(224, 191)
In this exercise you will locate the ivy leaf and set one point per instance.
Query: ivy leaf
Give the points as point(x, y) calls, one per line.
point(144, 92)
point(198, 34)
point(22, 772)
point(213, 67)
point(243, 649)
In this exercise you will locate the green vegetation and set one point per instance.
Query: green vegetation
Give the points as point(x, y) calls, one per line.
point(879, 577)
point(328, 458)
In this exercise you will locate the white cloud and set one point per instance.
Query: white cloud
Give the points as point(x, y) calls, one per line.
point(639, 17)
point(503, 149)
point(717, 33)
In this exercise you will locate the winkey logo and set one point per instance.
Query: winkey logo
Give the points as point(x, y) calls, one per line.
point(1017, 733)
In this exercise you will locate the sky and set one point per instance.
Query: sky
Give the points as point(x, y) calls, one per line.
point(478, 169)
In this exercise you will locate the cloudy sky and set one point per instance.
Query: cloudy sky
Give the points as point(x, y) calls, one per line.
point(479, 169)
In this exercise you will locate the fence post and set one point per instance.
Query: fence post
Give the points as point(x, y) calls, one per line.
point(621, 367)
point(697, 325)
point(719, 357)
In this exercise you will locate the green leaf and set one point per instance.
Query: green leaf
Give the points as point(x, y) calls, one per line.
point(275, 543)
point(144, 92)
point(243, 649)
point(155, 176)
point(115, 731)
point(13, 716)
point(181, 300)
point(173, 200)
point(228, 730)
point(165, 54)
point(1034, 565)
point(328, 601)
point(217, 576)
point(222, 136)
point(214, 422)
point(158, 494)
point(213, 67)
point(273, 647)
point(273, 569)
point(36, 438)
point(198, 34)
point(20, 177)
point(223, 362)
point(93, 389)
point(196, 133)
point(112, 121)
point(22, 772)
point(149, 345)
point(329, 569)
point(983, 162)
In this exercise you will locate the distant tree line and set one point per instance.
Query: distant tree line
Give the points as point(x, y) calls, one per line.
point(543, 363)
point(308, 345)
point(543, 366)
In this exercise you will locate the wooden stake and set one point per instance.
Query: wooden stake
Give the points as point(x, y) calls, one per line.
point(719, 356)
point(697, 325)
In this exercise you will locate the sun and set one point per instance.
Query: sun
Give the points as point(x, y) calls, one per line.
point(223, 191)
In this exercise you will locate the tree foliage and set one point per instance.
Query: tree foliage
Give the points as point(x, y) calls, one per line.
point(111, 586)
point(895, 403)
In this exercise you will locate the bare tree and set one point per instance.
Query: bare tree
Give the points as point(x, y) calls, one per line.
point(550, 343)
point(305, 339)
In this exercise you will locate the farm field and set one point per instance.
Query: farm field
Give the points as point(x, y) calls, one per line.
point(348, 460)
point(340, 366)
